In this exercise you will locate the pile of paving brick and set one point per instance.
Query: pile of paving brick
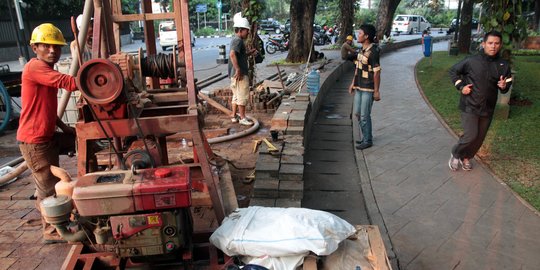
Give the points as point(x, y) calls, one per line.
point(278, 174)
point(257, 102)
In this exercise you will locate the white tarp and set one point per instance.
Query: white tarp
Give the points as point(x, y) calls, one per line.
point(280, 232)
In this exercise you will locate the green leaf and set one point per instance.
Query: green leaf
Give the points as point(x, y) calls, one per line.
point(506, 16)
point(506, 38)
point(494, 22)
point(509, 28)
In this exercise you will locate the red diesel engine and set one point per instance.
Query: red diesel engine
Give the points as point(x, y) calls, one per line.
point(133, 213)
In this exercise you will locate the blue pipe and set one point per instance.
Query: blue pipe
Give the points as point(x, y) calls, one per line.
point(7, 101)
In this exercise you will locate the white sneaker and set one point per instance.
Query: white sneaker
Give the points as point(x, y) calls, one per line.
point(245, 122)
point(453, 163)
point(466, 165)
point(235, 119)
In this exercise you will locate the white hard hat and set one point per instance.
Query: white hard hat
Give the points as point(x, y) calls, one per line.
point(79, 21)
point(240, 22)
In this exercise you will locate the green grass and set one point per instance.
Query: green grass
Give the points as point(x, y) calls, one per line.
point(512, 147)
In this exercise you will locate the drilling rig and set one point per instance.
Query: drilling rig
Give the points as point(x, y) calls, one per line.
point(132, 203)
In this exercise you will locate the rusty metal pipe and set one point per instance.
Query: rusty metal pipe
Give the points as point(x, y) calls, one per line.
point(70, 236)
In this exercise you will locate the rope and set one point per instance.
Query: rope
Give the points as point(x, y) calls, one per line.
point(160, 65)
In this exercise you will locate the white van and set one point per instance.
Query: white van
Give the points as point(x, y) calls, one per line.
point(167, 35)
point(410, 24)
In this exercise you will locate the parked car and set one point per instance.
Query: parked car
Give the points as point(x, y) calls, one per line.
point(167, 35)
point(270, 25)
point(453, 26)
point(287, 26)
point(410, 24)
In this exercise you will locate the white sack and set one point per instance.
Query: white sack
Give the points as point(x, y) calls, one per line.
point(276, 232)
point(276, 263)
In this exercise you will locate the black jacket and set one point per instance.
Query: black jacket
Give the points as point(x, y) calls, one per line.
point(483, 72)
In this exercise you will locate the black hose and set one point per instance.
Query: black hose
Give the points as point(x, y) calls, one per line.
point(7, 106)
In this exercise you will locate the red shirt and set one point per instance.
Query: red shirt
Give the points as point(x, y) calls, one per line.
point(39, 90)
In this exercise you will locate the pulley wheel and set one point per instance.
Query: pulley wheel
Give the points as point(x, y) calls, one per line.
point(100, 81)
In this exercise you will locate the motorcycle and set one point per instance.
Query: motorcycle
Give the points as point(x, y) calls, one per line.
point(321, 38)
point(277, 44)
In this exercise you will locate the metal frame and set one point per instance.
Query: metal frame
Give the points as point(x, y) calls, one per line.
point(169, 120)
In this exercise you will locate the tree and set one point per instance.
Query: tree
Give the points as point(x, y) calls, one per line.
point(301, 38)
point(347, 16)
point(505, 17)
point(465, 25)
point(163, 5)
point(385, 16)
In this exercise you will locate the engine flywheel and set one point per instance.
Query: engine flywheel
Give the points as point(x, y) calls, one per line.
point(100, 81)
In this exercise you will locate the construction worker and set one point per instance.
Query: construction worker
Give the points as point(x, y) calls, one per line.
point(86, 49)
point(238, 70)
point(348, 51)
point(38, 141)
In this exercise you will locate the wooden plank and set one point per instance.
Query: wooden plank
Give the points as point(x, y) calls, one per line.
point(273, 84)
point(142, 17)
point(310, 263)
point(377, 247)
point(364, 249)
point(158, 98)
point(230, 203)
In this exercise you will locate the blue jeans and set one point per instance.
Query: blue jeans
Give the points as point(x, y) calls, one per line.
point(363, 102)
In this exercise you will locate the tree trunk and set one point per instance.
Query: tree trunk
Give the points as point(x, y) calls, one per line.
point(346, 22)
point(301, 36)
point(537, 15)
point(465, 25)
point(385, 16)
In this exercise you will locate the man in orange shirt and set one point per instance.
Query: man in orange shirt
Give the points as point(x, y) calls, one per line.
point(39, 142)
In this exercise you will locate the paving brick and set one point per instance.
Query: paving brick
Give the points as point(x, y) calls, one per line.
point(23, 204)
point(287, 159)
point(283, 202)
point(267, 170)
point(280, 119)
point(291, 172)
point(30, 237)
point(262, 202)
point(266, 189)
point(300, 105)
point(6, 263)
point(25, 264)
point(263, 148)
point(9, 236)
point(297, 118)
point(5, 204)
point(12, 225)
point(302, 97)
point(18, 214)
point(293, 138)
point(27, 250)
point(7, 248)
point(267, 159)
point(292, 150)
point(24, 194)
point(6, 194)
point(295, 130)
point(291, 189)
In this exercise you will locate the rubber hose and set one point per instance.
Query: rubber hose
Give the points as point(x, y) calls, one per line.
point(7, 101)
point(15, 173)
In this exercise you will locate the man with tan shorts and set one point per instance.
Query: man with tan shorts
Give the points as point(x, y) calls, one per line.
point(238, 71)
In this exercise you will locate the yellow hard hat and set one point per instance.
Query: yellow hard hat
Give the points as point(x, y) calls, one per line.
point(349, 37)
point(47, 33)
